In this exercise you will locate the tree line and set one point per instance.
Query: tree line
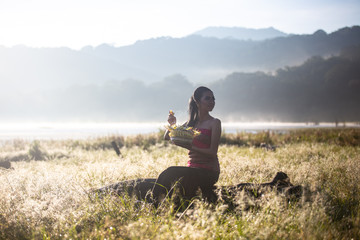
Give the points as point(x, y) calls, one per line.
point(321, 89)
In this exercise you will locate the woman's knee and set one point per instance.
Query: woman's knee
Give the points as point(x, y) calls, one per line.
point(170, 172)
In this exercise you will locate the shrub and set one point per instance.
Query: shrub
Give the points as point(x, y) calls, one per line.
point(36, 152)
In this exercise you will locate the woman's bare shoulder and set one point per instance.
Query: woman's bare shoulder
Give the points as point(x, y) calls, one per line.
point(215, 122)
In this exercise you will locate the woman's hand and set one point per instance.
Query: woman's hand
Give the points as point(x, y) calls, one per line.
point(171, 118)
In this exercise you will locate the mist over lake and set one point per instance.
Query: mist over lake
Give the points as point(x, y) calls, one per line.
point(31, 131)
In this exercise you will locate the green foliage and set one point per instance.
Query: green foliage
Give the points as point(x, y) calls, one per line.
point(143, 141)
point(338, 136)
point(100, 143)
point(36, 152)
point(248, 139)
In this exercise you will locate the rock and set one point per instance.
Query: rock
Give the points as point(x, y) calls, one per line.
point(5, 164)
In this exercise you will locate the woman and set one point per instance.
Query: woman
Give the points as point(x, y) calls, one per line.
point(203, 166)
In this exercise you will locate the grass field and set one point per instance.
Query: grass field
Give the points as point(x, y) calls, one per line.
point(45, 195)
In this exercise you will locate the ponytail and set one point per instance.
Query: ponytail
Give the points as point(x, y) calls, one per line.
point(193, 112)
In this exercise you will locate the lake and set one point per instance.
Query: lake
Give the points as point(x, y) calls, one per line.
point(83, 130)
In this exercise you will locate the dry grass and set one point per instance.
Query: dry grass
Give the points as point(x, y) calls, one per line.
point(47, 198)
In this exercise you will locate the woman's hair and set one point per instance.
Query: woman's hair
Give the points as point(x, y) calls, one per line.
point(193, 108)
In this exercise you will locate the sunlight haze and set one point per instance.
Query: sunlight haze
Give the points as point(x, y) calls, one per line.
point(132, 61)
point(76, 24)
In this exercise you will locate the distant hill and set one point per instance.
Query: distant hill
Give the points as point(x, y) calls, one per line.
point(199, 59)
point(204, 59)
point(319, 90)
point(241, 33)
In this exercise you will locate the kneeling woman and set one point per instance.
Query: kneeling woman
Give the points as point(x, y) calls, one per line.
point(203, 166)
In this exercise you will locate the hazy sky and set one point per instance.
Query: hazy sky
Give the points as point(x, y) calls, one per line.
point(77, 23)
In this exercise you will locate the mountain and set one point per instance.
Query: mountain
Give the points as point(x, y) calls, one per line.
point(240, 33)
point(44, 68)
point(204, 59)
point(199, 59)
point(319, 90)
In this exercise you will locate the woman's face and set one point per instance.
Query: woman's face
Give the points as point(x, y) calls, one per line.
point(207, 101)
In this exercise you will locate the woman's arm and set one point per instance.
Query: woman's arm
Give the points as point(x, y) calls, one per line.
point(215, 140)
point(166, 135)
